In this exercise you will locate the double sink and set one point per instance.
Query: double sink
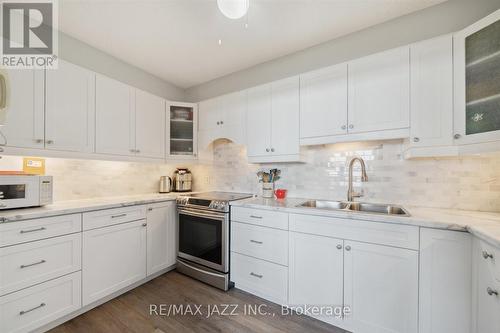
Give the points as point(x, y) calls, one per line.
point(356, 207)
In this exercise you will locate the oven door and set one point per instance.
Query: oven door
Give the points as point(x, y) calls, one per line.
point(203, 238)
point(19, 191)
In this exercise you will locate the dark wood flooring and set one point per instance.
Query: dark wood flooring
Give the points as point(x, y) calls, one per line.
point(130, 313)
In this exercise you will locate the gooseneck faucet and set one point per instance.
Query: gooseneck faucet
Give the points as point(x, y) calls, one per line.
point(364, 178)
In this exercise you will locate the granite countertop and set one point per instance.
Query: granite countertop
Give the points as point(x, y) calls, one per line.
point(83, 205)
point(484, 225)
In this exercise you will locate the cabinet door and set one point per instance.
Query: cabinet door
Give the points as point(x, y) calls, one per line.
point(432, 92)
point(379, 87)
point(323, 102)
point(315, 272)
point(113, 258)
point(233, 116)
point(161, 237)
point(115, 123)
point(445, 281)
point(477, 81)
point(24, 125)
point(149, 125)
point(285, 117)
point(381, 288)
point(69, 112)
point(486, 293)
point(182, 130)
point(210, 114)
point(259, 121)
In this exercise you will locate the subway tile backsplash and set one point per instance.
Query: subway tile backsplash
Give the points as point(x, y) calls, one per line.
point(469, 182)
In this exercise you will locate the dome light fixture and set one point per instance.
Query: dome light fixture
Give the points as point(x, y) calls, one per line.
point(233, 9)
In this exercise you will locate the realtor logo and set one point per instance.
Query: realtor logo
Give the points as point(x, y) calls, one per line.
point(29, 34)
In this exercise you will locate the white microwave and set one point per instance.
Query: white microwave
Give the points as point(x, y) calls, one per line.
point(18, 191)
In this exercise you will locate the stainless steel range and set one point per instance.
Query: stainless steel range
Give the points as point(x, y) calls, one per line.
point(203, 236)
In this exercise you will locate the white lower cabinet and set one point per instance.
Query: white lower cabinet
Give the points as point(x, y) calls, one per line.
point(486, 288)
point(161, 236)
point(31, 308)
point(316, 273)
point(114, 257)
point(260, 277)
point(445, 281)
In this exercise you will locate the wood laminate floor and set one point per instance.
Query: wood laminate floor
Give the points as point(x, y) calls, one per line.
point(130, 313)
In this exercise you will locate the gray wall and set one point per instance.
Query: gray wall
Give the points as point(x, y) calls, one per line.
point(82, 54)
point(447, 17)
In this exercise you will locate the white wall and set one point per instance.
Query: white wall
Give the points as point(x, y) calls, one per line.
point(82, 54)
point(444, 18)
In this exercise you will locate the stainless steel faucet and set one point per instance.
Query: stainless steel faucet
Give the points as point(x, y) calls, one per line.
point(364, 178)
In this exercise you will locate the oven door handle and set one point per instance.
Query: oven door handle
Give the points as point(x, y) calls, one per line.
point(200, 270)
point(197, 213)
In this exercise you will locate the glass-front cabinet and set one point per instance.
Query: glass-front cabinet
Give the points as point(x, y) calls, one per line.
point(182, 126)
point(477, 82)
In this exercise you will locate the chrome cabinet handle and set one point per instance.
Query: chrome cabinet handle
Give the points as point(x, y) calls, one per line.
point(255, 217)
point(351, 126)
point(487, 255)
point(343, 127)
point(119, 215)
point(256, 275)
point(348, 248)
point(33, 264)
point(339, 246)
point(144, 224)
point(415, 139)
point(491, 292)
point(32, 230)
point(32, 309)
point(457, 136)
point(256, 242)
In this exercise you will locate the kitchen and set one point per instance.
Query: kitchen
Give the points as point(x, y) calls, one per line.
point(339, 172)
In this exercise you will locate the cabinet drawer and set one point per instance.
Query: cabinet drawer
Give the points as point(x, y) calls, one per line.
point(260, 217)
point(27, 264)
point(263, 243)
point(365, 231)
point(102, 218)
point(259, 277)
point(30, 230)
point(491, 255)
point(30, 308)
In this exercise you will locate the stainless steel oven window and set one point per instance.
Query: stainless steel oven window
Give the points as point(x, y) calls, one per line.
point(203, 238)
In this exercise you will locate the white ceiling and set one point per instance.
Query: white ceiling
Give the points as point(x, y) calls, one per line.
point(177, 40)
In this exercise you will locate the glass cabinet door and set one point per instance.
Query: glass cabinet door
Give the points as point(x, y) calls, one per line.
point(478, 82)
point(182, 134)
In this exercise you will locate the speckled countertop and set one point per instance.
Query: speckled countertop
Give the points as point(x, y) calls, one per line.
point(84, 205)
point(484, 225)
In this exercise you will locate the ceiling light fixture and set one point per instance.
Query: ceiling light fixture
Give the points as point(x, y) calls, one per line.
point(233, 9)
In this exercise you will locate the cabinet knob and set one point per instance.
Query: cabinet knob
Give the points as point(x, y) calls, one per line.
point(150, 209)
point(267, 150)
point(144, 224)
point(339, 246)
point(491, 292)
point(272, 150)
point(49, 142)
point(457, 136)
point(343, 127)
point(137, 151)
point(38, 140)
point(218, 123)
point(222, 123)
point(415, 139)
point(348, 248)
point(487, 255)
point(351, 126)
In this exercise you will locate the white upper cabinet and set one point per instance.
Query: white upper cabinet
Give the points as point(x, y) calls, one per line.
point(149, 125)
point(477, 82)
point(223, 117)
point(379, 88)
point(323, 104)
point(115, 132)
point(381, 288)
point(273, 121)
point(259, 121)
point(69, 110)
point(24, 126)
point(432, 92)
point(182, 130)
